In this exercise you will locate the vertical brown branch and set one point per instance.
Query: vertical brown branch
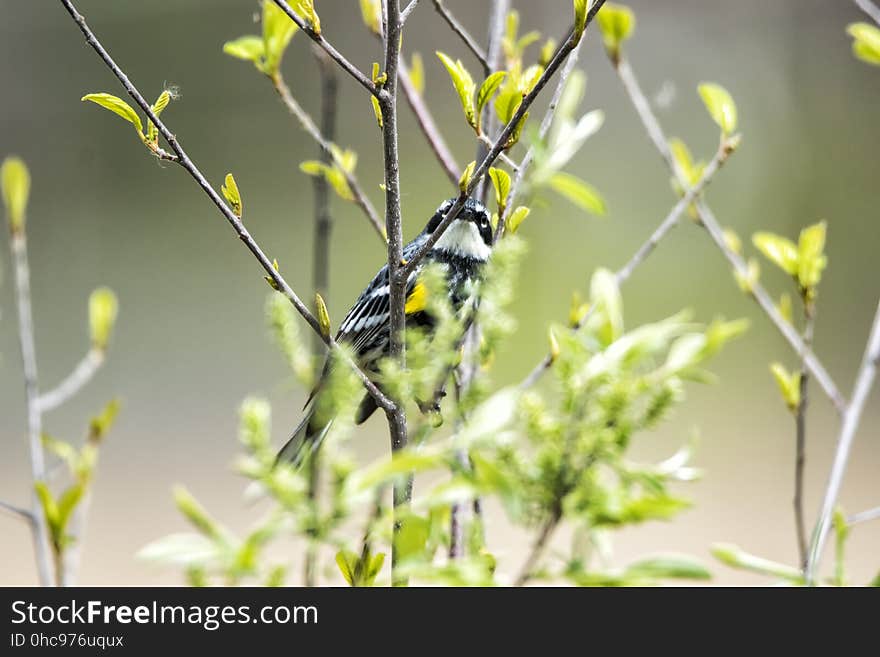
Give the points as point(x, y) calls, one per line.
point(394, 229)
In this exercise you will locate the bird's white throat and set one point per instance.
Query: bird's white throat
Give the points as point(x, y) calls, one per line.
point(463, 238)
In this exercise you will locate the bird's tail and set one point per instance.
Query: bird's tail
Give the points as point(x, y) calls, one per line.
point(306, 438)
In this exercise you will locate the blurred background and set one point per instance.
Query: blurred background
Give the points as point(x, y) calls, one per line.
point(191, 341)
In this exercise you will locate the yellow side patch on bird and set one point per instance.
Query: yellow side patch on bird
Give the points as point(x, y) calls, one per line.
point(417, 300)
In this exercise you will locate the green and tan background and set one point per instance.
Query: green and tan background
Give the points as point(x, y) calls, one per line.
point(191, 343)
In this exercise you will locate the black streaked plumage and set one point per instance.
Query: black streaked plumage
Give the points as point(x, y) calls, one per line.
point(462, 250)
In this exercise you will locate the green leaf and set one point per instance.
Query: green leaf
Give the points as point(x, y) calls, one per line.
point(748, 279)
point(103, 310)
point(66, 505)
point(417, 73)
point(278, 30)
point(371, 13)
point(789, 385)
point(347, 561)
point(518, 216)
point(101, 424)
point(487, 90)
point(547, 52)
point(668, 566)
point(466, 175)
point(735, 557)
point(720, 105)
point(811, 259)
point(64, 451)
point(375, 567)
point(307, 9)
point(15, 181)
point(196, 513)
point(777, 249)
point(866, 42)
point(605, 297)
point(333, 175)
point(250, 48)
point(117, 106)
point(581, 7)
point(182, 549)
point(232, 195)
point(377, 110)
point(157, 107)
point(49, 505)
point(412, 537)
point(501, 184)
point(464, 86)
point(616, 23)
point(323, 315)
point(582, 194)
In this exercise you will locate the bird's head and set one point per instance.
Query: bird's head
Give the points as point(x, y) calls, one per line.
point(470, 233)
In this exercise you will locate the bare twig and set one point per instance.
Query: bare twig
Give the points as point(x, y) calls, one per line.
point(528, 568)
point(463, 34)
point(39, 532)
point(516, 187)
point(394, 229)
point(864, 516)
point(243, 234)
point(555, 63)
point(647, 248)
point(801, 436)
point(428, 126)
point(404, 14)
point(325, 142)
point(334, 54)
point(497, 22)
point(708, 221)
point(74, 382)
point(24, 514)
point(869, 8)
point(850, 424)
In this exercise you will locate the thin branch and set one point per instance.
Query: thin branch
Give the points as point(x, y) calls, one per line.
point(848, 428)
point(463, 34)
point(75, 381)
point(24, 514)
point(710, 223)
point(18, 246)
point(647, 248)
point(334, 54)
point(801, 436)
point(243, 234)
point(394, 229)
point(404, 14)
point(428, 125)
point(864, 516)
point(516, 188)
point(558, 59)
point(359, 197)
point(869, 8)
point(527, 570)
point(494, 51)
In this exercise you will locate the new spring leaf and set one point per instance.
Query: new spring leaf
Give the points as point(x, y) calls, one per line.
point(464, 86)
point(119, 107)
point(232, 195)
point(103, 309)
point(616, 23)
point(866, 42)
point(501, 184)
point(720, 105)
point(15, 181)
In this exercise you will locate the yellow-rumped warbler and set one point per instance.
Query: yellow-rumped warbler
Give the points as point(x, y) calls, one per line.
point(461, 252)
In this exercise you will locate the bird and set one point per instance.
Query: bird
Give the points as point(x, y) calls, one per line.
point(462, 252)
